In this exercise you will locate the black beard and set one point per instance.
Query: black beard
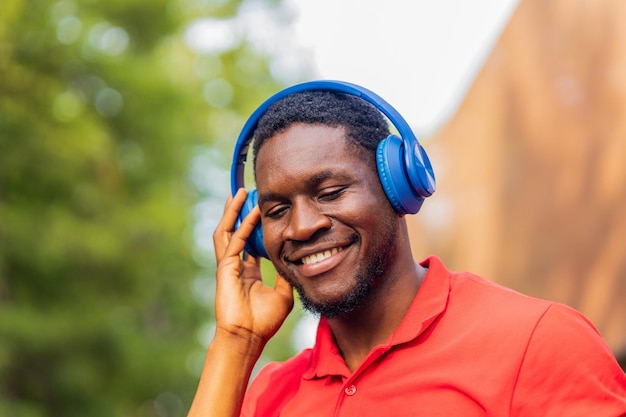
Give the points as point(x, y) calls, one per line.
point(366, 283)
point(352, 301)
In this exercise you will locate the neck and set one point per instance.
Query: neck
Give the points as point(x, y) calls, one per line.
point(372, 324)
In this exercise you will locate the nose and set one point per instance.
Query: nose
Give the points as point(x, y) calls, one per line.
point(305, 220)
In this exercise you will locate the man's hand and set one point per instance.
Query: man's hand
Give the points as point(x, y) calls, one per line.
point(245, 307)
point(248, 314)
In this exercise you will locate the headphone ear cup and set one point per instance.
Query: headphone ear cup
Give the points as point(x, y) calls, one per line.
point(418, 168)
point(254, 244)
point(390, 160)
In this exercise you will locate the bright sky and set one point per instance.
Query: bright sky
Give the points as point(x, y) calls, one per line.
point(420, 56)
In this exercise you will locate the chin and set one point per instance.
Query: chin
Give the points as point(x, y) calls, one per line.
point(339, 306)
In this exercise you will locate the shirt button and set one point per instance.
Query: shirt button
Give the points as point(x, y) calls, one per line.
point(350, 390)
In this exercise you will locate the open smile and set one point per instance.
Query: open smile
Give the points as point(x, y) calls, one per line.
point(320, 256)
point(321, 262)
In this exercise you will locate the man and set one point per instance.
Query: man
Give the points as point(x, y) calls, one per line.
point(396, 337)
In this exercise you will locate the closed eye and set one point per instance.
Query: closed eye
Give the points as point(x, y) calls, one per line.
point(276, 211)
point(331, 194)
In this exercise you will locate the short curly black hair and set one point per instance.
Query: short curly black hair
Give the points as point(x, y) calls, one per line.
point(364, 125)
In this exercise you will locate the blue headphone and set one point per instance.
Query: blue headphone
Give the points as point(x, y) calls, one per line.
point(404, 169)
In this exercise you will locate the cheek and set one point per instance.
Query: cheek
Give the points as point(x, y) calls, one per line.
point(372, 207)
point(271, 239)
point(375, 224)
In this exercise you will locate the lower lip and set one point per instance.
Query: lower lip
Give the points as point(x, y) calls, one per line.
point(318, 268)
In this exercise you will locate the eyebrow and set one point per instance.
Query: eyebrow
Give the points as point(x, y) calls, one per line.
point(312, 181)
point(265, 197)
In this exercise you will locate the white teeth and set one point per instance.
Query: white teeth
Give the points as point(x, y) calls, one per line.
point(317, 257)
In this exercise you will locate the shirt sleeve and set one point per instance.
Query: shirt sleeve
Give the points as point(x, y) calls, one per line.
point(568, 370)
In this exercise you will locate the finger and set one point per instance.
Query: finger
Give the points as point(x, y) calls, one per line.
point(228, 200)
point(226, 225)
point(238, 238)
point(232, 207)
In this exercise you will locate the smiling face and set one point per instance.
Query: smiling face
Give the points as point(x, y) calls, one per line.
point(327, 225)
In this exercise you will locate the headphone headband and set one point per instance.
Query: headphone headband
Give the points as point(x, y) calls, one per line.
point(247, 133)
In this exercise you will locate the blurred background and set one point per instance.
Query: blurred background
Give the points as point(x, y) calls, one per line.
point(117, 122)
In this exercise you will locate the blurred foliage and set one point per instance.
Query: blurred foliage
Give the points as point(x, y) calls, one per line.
point(102, 107)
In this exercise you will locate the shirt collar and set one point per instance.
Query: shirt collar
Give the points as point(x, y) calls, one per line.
point(430, 301)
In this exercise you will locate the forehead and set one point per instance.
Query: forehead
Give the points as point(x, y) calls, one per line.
point(303, 149)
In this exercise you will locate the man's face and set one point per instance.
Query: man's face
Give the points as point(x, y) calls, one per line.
point(327, 225)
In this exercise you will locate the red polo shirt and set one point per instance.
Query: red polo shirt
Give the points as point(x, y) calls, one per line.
point(466, 347)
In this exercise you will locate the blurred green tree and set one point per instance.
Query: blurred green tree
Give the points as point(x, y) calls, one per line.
point(102, 108)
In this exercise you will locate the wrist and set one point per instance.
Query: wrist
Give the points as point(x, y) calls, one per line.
point(226, 373)
point(239, 343)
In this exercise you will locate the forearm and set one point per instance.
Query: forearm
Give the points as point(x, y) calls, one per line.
point(225, 375)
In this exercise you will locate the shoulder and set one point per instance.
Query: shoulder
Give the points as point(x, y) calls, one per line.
point(554, 346)
point(563, 327)
point(542, 321)
point(473, 293)
point(569, 359)
point(275, 384)
point(292, 368)
point(547, 319)
point(476, 294)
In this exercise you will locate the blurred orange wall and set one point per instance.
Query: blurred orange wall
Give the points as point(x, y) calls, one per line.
point(531, 170)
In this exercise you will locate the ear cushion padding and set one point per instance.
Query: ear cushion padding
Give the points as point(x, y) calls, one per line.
point(254, 244)
point(393, 176)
